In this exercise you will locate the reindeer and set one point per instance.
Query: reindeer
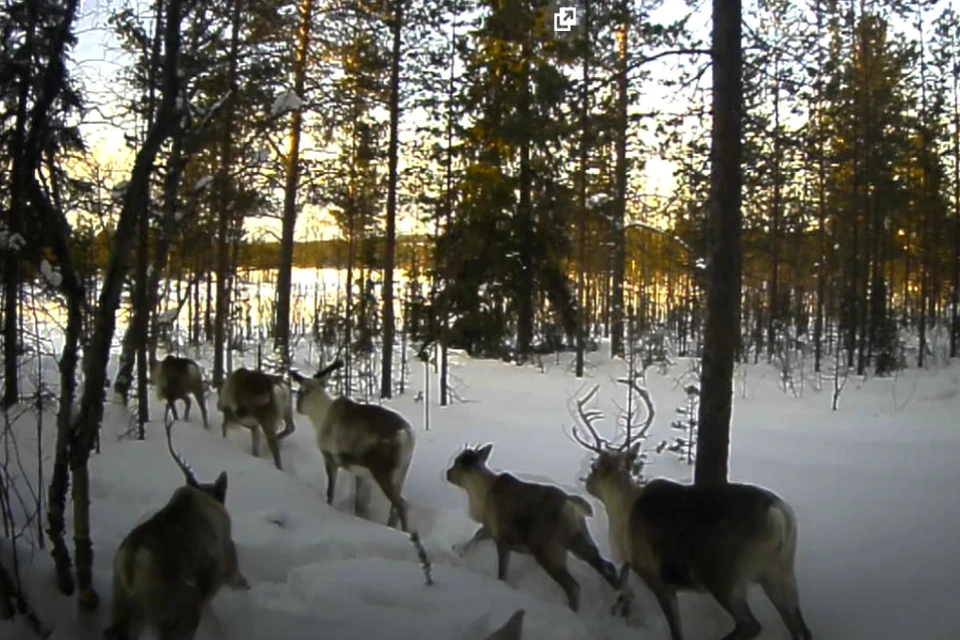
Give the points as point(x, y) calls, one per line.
point(367, 440)
point(527, 517)
point(177, 379)
point(512, 628)
point(170, 566)
point(257, 400)
point(677, 537)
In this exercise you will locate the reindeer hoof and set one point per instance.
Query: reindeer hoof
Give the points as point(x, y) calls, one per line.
point(458, 549)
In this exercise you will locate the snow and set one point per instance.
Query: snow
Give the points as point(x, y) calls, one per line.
point(11, 241)
point(597, 199)
point(286, 101)
point(50, 273)
point(168, 316)
point(874, 485)
point(119, 192)
point(203, 183)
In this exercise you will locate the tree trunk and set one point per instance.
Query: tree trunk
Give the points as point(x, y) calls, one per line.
point(175, 167)
point(142, 311)
point(55, 224)
point(60, 479)
point(525, 286)
point(96, 358)
point(226, 204)
point(285, 272)
point(775, 312)
point(862, 274)
point(12, 265)
point(620, 196)
point(389, 257)
point(448, 221)
point(722, 326)
point(925, 200)
point(822, 270)
point(582, 205)
point(955, 269)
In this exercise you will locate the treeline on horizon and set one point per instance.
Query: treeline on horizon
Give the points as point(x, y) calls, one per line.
point(648, 251)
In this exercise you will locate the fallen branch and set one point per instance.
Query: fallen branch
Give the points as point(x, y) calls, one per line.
point(422, 555)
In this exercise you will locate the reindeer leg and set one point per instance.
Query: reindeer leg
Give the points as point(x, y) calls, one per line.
point(362, 492)
point(553, 559)
point(481, 534)
point(331, 468)
point(781, 588)
point(288, 424)
point(503, 560)
point(396, 500)
point(274, 447)
point(203, 410)
point(236, 579)
point(735, 603)
point(186, 413)
point(583, 547)
point(667, 599)
point(172, 405)
point(255, 441)
point(227, 419)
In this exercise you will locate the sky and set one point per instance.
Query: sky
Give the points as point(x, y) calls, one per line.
point(97, 61)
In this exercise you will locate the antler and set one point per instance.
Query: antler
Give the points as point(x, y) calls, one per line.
point(644, 396)
point(588, 418)
point(187, 471)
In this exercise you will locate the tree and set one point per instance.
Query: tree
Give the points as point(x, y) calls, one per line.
point(621, 172)
point(292, 170)
point(396, 29)
point(585, 143)
point(227, 199)
point(722, 322)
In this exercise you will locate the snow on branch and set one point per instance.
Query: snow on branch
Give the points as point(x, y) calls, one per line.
point(203, 183)
point(680, 241)
point(51, 274)
point(285, 102)
point(11, 241)
point(597, 199)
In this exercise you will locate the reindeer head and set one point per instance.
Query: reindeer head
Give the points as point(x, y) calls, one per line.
point(612, 466)
point(313, 389)
point(612, 463)
point(216, 489)
point(468, 462)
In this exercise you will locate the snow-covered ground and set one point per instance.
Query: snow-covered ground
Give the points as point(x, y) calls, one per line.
point(876, 487)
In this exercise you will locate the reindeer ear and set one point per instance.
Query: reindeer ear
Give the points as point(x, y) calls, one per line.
point(484, 452)
point(220, 487)
point(634, 452)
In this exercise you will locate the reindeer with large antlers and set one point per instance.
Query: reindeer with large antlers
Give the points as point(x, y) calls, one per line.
point(678, 537)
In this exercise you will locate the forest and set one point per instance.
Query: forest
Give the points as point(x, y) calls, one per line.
point(478, 181)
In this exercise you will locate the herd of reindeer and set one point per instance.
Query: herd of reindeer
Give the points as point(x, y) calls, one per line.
point(674, 537)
